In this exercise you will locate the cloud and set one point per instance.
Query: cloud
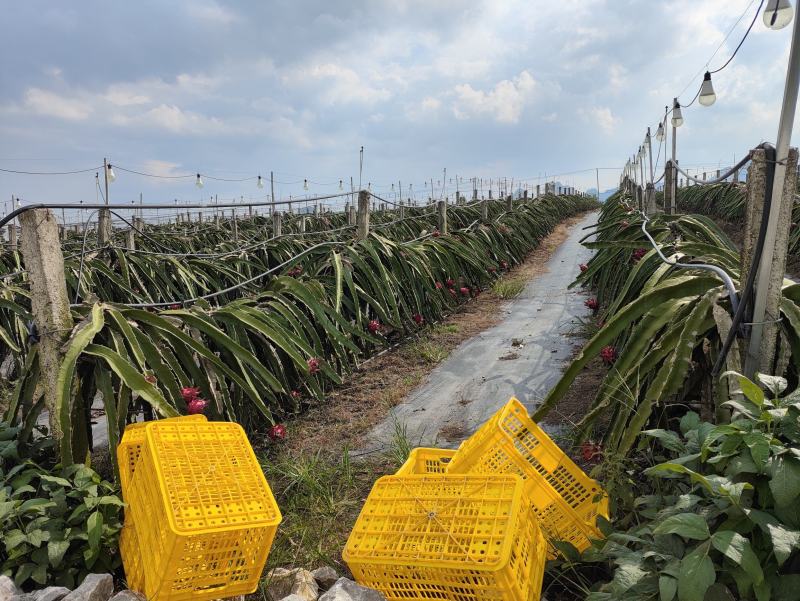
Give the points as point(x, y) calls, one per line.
point(213, 13)
point(600, 116)
point(504, 103)
point(51, 104)
point(177, 120)
point(340, 85)
point(161, 168)
point(120, 97)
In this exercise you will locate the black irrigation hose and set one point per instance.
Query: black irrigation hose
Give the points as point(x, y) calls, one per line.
point(747, 292)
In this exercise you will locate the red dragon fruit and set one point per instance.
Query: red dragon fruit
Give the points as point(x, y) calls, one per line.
point(591, 303)
point(196, 406)
point(608, 355)
point(313, 365)
point(189, 393)
point(584, 267)
point(418, 319)
point(374, 326)
point(277, 432)
point(638, 254)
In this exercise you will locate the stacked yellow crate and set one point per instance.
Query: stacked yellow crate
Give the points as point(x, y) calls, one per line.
point(200, 516)
point(485, 546)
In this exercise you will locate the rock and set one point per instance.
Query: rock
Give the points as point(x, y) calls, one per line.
point(283, 582)
point(128, 595)
point(8, 589)
point(95, 587)
point(325, 576)
point(347, 590)
point(51, 593)
point(293, 597)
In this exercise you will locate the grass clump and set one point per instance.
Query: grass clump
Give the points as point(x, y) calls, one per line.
point(508, 288)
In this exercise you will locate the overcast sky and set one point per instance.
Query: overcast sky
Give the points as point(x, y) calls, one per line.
point(484, 89)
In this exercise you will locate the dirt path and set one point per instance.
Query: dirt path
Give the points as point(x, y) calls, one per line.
point(521, 356)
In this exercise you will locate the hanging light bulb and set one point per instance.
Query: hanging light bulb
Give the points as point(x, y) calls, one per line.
point(199, 181)
point(260, 183)
point(341, 186)
point(660, 132)
point(305, 184)
point(369, 186)
point(111, 175)
point(392, 187)
point(707, 95)
point(677, 116)
point(778, 14)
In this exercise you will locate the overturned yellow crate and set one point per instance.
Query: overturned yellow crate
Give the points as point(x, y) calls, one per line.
point(566, 500)
point(203, 513)
point(130, 447)
point(439, 536)
point(426, 461)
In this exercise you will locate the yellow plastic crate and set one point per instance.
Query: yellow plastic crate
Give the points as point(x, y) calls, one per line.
point(204, 515)
point(439, 536)
point(130, 447)
point(566, 500)
point(426, 461)
point(131, 558)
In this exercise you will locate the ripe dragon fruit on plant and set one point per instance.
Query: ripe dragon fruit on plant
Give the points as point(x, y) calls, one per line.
point(313, 365)
point(584, 267)
point(277, 432)
point(418, 319)
point(374, 326)
point(189, 393)
point(638, 254)
point(592, 303)
point(196, 406)
point(608, 355)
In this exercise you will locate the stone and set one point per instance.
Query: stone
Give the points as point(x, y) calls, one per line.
point(8, 589)
point(95, 587)
point(293, 597)
point(282, 582)
point(51, 593)
point(347, 590)
point(128, 595)
point(325, 576)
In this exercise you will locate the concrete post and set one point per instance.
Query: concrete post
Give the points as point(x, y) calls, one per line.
point(669, 189)
point(12, 236)
point(130, 239)
point(199, 216)
point(736, 177)
point(485, 210)
point(235, 226)
point(756, 186)
point(41, 253)
point(351, 215)
point(778, 270)
point(537, 190)
point(103, 227)
point(316, 210)
point(441, 210)
point(276, 224)
point(509, 203)
point(525, 196)
point(402, 210)
point(362, 217)
point(302, 225)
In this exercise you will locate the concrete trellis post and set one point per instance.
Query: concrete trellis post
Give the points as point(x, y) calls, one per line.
point(537, 190)
point(669, 189)
point(485, 210)
point(302, 225)
point(103, 227)
point(199, 216)
point(235, 226)
point(351, 215)
point(130, 239)
point(44, 261)
point(276, 224)
point(12, 236)
point(509, 203)
point(362, 216)
point(441, 210)
point(402, 210)
point(756, 186)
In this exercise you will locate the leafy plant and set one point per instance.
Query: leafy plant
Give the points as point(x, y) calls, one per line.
point(56, 525)
point(719, 515)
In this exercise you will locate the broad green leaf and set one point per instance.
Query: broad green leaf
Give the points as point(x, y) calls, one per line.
point(737, 548)
point(687, 525)
point(785, 480)
point(697, 574)
point(94, 529)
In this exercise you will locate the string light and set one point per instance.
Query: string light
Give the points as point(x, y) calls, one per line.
point(110, 174)
point(305, 184)
point(677, 116)
point(778, 14)
point(707, 95)
point(199, 181)
point(260, 183)
point(660, 132)
point(341, 186)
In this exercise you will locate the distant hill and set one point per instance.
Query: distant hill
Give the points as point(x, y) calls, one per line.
point(603, 195)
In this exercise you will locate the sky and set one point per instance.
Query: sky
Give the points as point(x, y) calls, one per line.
point(486, 89)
